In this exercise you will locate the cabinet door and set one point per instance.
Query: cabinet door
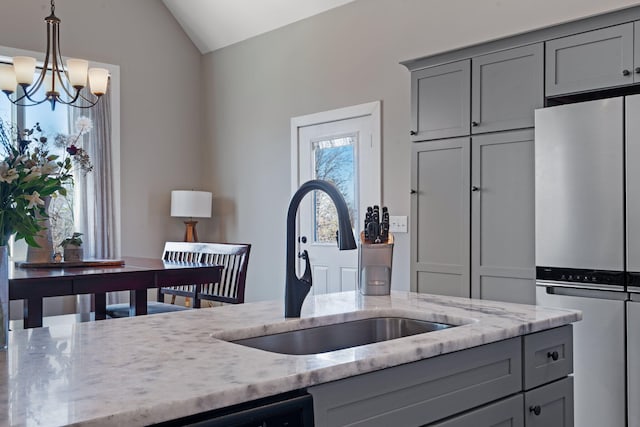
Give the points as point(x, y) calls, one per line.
point(440, 217)
point(507, 87)
point(440, 101)
point(550, 405)
point(633, 363)
point(505, 413)
point(588, 61)
point(502, 217)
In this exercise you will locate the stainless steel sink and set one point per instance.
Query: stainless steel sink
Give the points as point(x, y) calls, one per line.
point(338, 336)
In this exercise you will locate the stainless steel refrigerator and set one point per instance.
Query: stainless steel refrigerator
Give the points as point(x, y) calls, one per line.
point(582, 245)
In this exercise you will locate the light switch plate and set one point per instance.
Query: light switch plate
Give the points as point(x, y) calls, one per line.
point(397, 224)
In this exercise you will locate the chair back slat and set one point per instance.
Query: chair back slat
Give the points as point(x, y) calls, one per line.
point(234, 259)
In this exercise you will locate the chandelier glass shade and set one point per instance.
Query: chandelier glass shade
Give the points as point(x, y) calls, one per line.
point(61, 84)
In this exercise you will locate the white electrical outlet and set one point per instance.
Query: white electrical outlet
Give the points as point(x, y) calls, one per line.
point(397, 224)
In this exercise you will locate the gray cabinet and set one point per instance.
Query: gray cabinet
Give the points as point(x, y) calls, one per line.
point(440, 101)
point(447, 215)
point(440, 239)
point(502, 217)
point(551, 405)
point(507, 87)
point(480, 387)
point(505, 413)
point(593, 60)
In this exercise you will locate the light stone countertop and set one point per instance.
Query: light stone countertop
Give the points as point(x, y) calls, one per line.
point(148, 369)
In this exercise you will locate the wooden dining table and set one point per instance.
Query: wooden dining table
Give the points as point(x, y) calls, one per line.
point(135, 275)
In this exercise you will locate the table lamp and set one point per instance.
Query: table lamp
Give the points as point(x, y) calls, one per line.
point(191, 204)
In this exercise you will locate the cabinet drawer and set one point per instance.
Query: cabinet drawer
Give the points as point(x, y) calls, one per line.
point(547, 356)
point(507, 412)
point(550, 405)
point(421, 392)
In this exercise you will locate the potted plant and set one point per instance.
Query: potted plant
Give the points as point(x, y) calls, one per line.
point(72, 248)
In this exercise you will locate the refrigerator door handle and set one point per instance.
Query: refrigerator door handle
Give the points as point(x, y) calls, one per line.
point(585, 293)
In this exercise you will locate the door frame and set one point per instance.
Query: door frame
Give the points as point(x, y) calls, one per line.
point(372, 109)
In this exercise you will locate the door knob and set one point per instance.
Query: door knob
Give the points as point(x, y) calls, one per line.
point(535, 409)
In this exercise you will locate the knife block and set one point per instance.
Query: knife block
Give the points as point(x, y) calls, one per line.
point(374, 266)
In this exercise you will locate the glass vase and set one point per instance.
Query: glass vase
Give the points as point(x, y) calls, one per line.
point(44, 253)
point(4, 297)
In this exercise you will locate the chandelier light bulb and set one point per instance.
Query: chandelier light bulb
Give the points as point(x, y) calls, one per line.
point(98, 80)
point(25, 69)
point(7, 79)
point(77, 69)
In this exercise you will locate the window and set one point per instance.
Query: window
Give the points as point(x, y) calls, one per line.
point(334, 161)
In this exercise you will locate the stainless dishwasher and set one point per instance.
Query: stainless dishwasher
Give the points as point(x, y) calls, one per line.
point(294, 409)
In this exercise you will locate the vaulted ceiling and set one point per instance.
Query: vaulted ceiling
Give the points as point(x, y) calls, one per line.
point(213, 24)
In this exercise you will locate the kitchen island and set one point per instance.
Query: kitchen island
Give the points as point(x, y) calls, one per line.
point(149, 369)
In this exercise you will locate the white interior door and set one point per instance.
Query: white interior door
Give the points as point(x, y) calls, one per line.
point(343, 147)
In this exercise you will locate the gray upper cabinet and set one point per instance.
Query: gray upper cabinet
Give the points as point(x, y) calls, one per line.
point(589, 61)
point(502, 217)
point(440, 236)
point(507, 87)
point(440, 101)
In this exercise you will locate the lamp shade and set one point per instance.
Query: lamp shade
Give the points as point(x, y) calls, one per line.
point(194, 204)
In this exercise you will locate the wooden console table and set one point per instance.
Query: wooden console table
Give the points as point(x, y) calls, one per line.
point(136, 275)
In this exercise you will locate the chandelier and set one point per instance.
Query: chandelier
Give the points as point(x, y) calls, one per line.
point(62, 85)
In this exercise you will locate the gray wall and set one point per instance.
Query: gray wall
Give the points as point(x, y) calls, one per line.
point(343, 57)
point(221, 122)
point(161, 117)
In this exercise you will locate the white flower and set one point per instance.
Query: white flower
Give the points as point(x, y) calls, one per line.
point(34, 173)
point(7, 175)
point(83, 125)
point(34, 200)
point(49, 168)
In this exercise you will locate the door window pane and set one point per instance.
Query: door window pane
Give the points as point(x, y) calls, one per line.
point(334, 161)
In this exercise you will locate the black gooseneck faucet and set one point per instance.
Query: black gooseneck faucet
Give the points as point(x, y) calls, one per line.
point(297, 288)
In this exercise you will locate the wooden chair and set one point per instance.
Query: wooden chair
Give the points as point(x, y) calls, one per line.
point(230, 288)
point(233, 257)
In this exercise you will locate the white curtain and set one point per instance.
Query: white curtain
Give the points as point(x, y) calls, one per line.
point(94, 214)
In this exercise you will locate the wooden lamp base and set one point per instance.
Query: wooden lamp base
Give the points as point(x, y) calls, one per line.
point(190, 234)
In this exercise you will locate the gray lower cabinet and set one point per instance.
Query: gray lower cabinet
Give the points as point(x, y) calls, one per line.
point(505, 413)
point(506, 88)
point(440, 101)
point(502, 217)
point(473, 217)
point(440, 239)
point(551, 405)
point(480, 387)
point(593, 60)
